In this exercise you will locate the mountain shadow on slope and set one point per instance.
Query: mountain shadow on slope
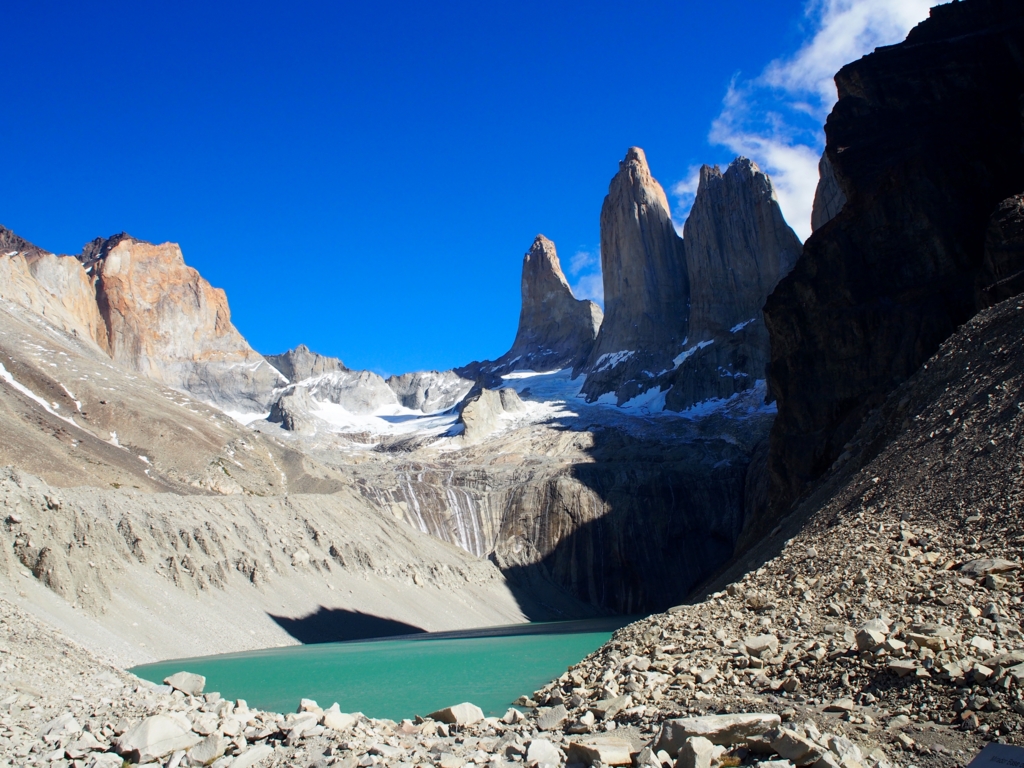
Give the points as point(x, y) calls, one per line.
point(335, 625)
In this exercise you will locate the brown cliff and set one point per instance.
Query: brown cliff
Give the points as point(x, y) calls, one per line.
point(165, 321)
point(924, 143)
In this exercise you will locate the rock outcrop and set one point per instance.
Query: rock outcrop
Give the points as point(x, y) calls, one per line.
point(300, 364)
point(924, 143)
point(646, 288)
point(429, 391)
point(1002, 271)
point(485, 413)
point(556, 330)
point(165, 321)
point(55, 287)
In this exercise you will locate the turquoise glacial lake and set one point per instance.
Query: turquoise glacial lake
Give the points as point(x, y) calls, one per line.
point(400, 677)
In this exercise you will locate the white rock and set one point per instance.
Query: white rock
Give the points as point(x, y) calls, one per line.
point(252, 756)
point(155, 737)
point(542, 752)
point(460, 714)
point(718, 729)
point(696, 752)
point(186, 682)
point(208, 750)
point(605, 751)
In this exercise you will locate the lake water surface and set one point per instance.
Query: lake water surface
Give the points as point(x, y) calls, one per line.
point(401, 677)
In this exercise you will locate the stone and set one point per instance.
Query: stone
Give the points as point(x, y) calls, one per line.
point(869, 639)
point(542, 752)
point(845, 749)
point(460, 714)
point(987, 566)
point(155, 737)
point(906, 141)
point(430, 391)
point(725, 730)
point(208, 750)
point(186, 682)
point(550, 718)
point(707, 675)
point(604, 752)
point(840, 705)
point(696, 752)
point(337, 720)
point(606, 709)
point(794, 747)
point(982, 644)
point(761, 644)
point(252, 756)
point(513, 716)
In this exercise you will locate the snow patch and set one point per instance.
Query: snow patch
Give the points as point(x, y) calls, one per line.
point(612, 360)
point(740, 326)
point(244, 418)
point(682, 358)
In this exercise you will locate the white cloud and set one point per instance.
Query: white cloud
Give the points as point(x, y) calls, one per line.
point(583, 260)
point(684, 191)
point(590, 287)
point(775, 119)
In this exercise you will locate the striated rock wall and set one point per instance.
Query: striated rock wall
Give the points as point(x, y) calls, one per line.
point(165, 321)
point(429, 391)
point(646, 287)
point(925, 142)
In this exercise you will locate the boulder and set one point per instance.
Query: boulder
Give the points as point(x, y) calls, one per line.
point(187, 682)
point(725, 730)
point(603, 751)
point(696, 752)
point(542, 752)
point(460, 714)
point(760, 645)
point(155, 737)
point(252, 756)
point(208, 750)
point(987, 566)
point(550, 718)
point(796, 748)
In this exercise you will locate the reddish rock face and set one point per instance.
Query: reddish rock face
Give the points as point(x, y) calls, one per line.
point(165, 321)
point(923, 144)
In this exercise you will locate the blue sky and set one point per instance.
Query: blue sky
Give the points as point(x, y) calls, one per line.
point(364, 178)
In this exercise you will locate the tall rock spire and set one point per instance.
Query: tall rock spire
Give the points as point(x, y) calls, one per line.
point(556, 330)
point(738, 247)
point(646, 288)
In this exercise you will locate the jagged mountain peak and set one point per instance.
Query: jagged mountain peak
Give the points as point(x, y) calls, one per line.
point(302, 363)
point(10, 244)
point(98, 248)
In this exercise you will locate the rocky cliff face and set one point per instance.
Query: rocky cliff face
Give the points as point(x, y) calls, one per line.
point(924, 143)
point(646, 288)
point(429, 391)
point(829, 197)
point(55, 287)
point(165, 321)
point(300, 363)
point(738, 246)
